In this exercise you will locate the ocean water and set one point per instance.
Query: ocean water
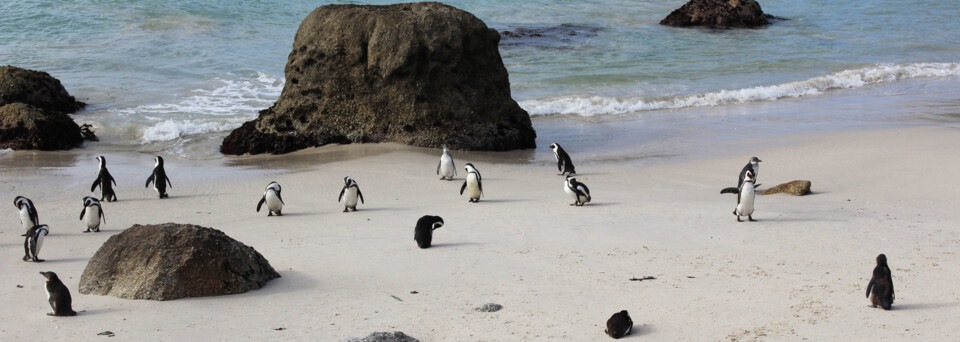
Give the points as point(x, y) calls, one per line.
point(175, 77)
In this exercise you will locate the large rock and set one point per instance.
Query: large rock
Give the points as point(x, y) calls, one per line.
point(25, 127)
point(796, 188)
point(170, 261)
point(718, 14)
point(35, 88)
point(423, 74)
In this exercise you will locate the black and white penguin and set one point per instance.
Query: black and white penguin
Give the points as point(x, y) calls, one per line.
point(352, 192)
point(577, 190)
point(104, 180)
point(93, 213)
point(445, 167)
point(28, 212)
point(32, 242)
point(880, 288)
point(423, 234)
point(752, 165)
point(271, 196)
point(159, 178)
point(564, 164)
point(619, 325)
point(473, 184)
point(745, 197)
point(58, 295)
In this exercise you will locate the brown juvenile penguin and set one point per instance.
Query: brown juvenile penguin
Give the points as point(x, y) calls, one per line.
point(880, 288)
point(58, 295)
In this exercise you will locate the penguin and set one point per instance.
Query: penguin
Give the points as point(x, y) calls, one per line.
point(33, 241)
point(28, 212)
point(104, 180)
point(577, 190)
point(752, 165)
point(445, 167)
point(745, 197)
point(272, 197)
point(564, 164)
point(880, 288)
point(58, 295)
point(94, 214)
point(619, 325)
point(423, 234)
point(159, 178)
point(352, 190)
point(473, 184)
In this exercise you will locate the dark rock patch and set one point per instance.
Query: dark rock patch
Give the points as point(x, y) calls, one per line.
point(718, 14)
point(35, 88)
point(549, 36)
point(25, 127)
point(395, 336)
point(489, 307)
point(796, 188)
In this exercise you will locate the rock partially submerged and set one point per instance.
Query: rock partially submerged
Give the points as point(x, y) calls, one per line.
point(33, 111)
point(35, 88)
point(718, 14)
point(422, 74)
point(170, 261)
point(395, 336)
point(796, 188)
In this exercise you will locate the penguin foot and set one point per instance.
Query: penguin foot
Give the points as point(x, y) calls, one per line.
point(738, 218)
point(270, 214)
point(354, 209)
point(27, 258)
point(279, 214)
point(345, 209)
point(86, 231)
point(750, 217)
point(51, 314)
point(39, 260)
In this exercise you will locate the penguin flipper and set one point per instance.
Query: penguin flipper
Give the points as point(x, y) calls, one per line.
point(438, 166)
point(102, 216)
point(83, 211)
point(280, 198)
point(360, 194)
point(149, 179)
point(463, 187)
point(869, 287)
point(730, 190)
point(96, 183)
point(168, 180)
point(262, 200)
point(480, 185)
point(560, 164)
point(340, 198)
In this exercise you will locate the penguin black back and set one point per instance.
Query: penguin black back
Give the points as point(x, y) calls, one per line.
point(423, 233)
point(619, 325)
point(564, 163)
point(58, 296)
point(105, 181)
point(159, 178)
point(880, 288)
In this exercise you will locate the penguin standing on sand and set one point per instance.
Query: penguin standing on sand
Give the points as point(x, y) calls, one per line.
point(577, 190)
point(159, 178)
point(271, 196)
point(93, 213)
point(880, 288)
point(32, 242)
point(58, 295)
point(28, 212)
point(352, 190)
point(752, 165)
point(423, 234)
point(445, 167)
point(104, 180)
point(619, 325)
point(564, 164)
point(473, 184)
point(745, 197)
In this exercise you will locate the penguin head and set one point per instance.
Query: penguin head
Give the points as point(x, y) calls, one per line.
point(445, 147)
point(102, 160)
point(50, 276)
point(554, 146)
point(20, 201)
point(437, 223)
point(571, 179)
point(881, 260)
point(469, 167)
point(755, 160)
point(347, 181)
point(88, 201)
point(274, 185)
point(748, 177)
point(158, 161)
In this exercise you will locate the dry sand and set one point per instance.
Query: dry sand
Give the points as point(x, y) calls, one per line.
point(799, 273)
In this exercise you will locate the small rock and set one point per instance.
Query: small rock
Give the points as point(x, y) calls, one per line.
point(490, 307)
point(796, 188)
point(395, 336)
point(107, 333)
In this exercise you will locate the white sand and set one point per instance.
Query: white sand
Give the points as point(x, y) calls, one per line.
point(559, 271)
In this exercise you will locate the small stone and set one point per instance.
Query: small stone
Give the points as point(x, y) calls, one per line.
point(490, 307)
point(107, 333)
point(395, 336)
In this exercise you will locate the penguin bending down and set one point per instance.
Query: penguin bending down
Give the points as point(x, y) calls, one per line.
point(271, 196)
point(564, 164)
point(159, 178)
point(58, 295)
point(745, 197)
point(880, 288)
point(445, 167)
point(473, 184)
point(752, 165)
point(93, 213)
point(619, 325)
point(33, 241)
point(28, 212)
point(423, 234)
point(577, 190)
point(352, 190)
point(104, 180)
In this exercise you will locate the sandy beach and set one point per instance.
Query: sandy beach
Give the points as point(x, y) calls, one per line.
point(799, 273)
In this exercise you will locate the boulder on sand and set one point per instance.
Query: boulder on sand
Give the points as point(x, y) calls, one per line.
point(33, 111)
point(796, 188)
point(422, 74)
point(718, 14)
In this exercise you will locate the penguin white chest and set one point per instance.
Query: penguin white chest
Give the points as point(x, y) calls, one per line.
point(573, 194)
point(25, 218)
point(747, 195)
point(446, 166)
point(39, 241)
point(350, 197)
point(473, 185)
point(273, 201)
point(91, 217)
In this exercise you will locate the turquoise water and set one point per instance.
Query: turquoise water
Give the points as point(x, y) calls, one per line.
point(176, 76)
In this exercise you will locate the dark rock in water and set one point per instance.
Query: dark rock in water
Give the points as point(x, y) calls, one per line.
point(552, 36)
point(35, 88)
point(170, 261)
point(423, 74)
point(88, 133)
point(490, 307)
point(718, 14)
point(25, 127)
point(796, 188)
point(395, 336)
